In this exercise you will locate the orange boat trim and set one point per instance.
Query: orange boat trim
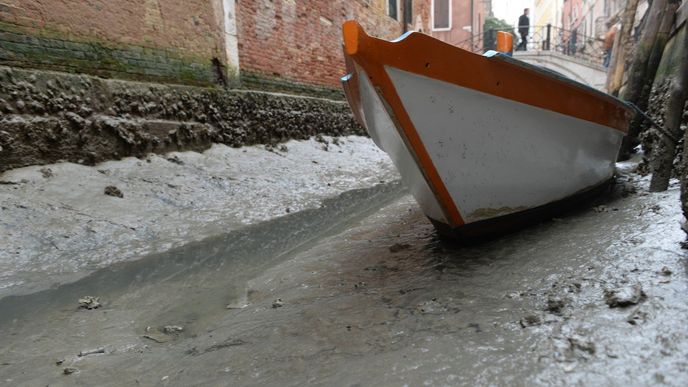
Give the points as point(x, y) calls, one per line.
point(423, 55)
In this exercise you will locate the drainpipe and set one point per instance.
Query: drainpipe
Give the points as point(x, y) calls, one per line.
point(472, 29)
point(408, 5)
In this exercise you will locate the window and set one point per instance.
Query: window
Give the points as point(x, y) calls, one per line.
point(441, 15)
point(408, 11)
point(393, 9)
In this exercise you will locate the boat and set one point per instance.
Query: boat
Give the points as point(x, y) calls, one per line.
point(485, 143)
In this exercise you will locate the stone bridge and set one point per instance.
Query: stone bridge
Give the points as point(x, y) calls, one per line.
point(578, 69)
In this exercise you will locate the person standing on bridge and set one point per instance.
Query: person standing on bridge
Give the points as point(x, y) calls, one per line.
point(523, 30)
point(609, 44)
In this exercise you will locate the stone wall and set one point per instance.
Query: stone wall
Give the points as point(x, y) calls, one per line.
point(169, 41)
point(300, 41)
point(46, 117)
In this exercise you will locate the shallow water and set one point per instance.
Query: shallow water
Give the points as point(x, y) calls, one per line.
point(369, 296)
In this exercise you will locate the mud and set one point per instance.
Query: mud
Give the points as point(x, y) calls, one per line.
point(526, 309)
point(47, 117)
point(59, 227)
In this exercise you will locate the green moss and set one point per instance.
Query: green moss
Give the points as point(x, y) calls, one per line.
point(669, 65)
point(49, 49)
point(257, 81)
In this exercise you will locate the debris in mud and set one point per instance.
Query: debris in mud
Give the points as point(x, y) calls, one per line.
point(397, 247)
point(665, 271)
point(173, 329)
point(530, 320)
point(164, 334)
point(91, 352)
point(581, 347)
point(360, 285)
point(216, 347)
point(239, 303)
point(625, 296)
point(46, 172)
point(430, 307)
point(59, 362)
point(70, 370)
point(157, 338)
point(111, 190)
point(89, 302)
point(555, 305)
point(175, 159)
point(575, 287)
point(278, 303)
point(600, 209)
point(637, 317)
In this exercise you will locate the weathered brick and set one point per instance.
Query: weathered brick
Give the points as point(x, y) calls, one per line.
point(100, 36)
point(301, 41)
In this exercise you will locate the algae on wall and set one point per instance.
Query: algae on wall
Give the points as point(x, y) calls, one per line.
point(668, 69)
point(670, 59)
point(48, 117)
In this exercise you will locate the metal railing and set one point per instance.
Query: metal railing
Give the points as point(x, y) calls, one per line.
point(543, 38)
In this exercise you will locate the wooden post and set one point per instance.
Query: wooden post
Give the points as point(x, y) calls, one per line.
point(665, 153)
point(648, 54)
point(615, 75)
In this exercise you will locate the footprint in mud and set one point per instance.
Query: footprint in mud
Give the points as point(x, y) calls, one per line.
point(164, 334)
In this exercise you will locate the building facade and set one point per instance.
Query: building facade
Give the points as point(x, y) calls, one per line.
point(268, 44)
point(547, 12)
point(171, 40)
point(456, 22)
point(593, 17)
point(284, 42)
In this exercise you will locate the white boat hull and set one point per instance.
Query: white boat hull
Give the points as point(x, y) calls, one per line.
point(495, 156)
point(470, 156)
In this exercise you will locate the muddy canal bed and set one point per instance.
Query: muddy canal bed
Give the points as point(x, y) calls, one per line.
point(359, 291)
point(62, 221)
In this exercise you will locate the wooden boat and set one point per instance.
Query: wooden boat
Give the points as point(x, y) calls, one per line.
point(483, 142)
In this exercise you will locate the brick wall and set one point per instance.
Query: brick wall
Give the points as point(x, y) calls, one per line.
point(166, 40)
point(462, 25)
point(300, 41)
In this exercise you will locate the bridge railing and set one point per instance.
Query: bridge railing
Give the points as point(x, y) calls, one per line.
point(543, 38)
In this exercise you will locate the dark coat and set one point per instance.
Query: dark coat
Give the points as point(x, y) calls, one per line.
point(523, 25)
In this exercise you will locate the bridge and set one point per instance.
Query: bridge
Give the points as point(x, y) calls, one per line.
point(578, 69)
point(576, 56)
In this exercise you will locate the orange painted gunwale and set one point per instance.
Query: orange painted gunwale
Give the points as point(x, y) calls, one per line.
point(423, 55)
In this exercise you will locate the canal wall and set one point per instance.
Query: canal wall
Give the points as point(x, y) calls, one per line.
point(47, 117)
point(667, 72)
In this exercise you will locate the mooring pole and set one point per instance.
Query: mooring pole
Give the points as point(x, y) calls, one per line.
point(549, 36)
